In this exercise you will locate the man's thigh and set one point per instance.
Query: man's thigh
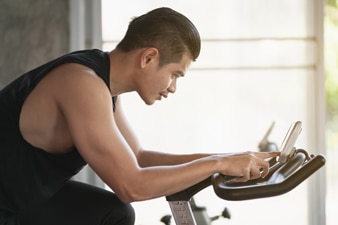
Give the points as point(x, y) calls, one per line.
point(83, 204)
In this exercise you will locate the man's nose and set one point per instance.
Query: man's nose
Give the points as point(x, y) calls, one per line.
point(172, 87)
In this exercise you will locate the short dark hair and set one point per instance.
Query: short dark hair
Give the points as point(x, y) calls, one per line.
point(170, 32)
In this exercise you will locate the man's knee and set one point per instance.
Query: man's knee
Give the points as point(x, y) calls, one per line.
point(129, 215)
point(123, 215)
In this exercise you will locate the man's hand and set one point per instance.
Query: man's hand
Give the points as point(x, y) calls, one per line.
point(247, 165)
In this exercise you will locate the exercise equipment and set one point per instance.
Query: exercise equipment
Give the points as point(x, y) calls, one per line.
point(287, 171)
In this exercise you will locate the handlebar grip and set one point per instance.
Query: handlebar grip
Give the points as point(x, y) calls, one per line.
point(283, 177)
point(287, 169)
point(285, 180)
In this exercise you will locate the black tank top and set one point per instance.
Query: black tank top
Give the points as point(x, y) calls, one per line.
point(29, 175)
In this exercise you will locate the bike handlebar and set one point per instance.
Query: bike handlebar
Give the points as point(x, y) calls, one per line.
point(282, 178)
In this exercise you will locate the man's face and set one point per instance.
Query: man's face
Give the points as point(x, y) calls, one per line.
point(159, 82)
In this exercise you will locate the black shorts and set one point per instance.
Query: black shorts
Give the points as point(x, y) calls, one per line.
point(75, 204)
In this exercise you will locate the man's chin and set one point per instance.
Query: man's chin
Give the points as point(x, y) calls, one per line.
point(150, 102)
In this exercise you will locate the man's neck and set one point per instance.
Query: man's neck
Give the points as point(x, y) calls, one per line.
point(121, 72)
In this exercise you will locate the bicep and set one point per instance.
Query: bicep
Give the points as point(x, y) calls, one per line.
point(87, 109)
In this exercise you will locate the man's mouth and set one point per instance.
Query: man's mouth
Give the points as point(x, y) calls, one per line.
point(163, 95)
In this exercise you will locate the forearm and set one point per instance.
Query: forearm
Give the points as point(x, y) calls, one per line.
point(132, 182)
point(152, 158)
point(157, 181)
point(166, 180)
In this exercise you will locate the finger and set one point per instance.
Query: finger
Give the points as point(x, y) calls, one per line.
point(266, 155)
point(263, 168)
point(241, 179)
point(264, 172)
point(254, 174)
point(245, 177)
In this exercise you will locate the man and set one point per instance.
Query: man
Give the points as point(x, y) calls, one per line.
point(67, 113)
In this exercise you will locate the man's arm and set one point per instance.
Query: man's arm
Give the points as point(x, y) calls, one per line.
point(86, 104)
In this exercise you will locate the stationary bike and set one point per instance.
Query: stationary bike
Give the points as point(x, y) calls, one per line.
point(286, 172)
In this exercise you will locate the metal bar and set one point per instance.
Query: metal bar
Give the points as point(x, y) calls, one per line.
point(182, 213)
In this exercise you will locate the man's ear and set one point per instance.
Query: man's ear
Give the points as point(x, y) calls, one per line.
point(148, 56)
